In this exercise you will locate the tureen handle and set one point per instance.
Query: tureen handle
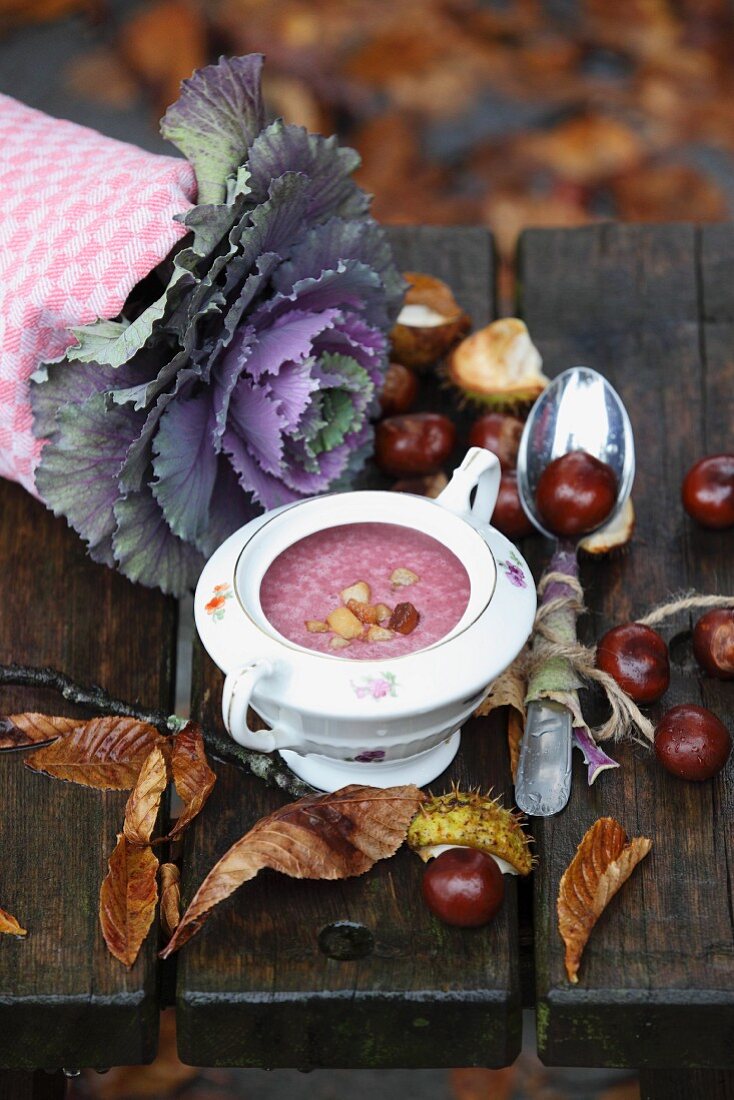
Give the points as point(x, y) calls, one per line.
point(236, 694)
point(481, 470)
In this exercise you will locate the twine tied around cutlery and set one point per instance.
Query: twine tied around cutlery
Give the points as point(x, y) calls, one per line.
point(550, 644)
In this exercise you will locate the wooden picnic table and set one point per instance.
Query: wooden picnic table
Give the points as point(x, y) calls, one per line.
point(357, 973)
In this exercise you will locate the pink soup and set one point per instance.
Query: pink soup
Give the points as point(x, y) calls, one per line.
point(305, 581)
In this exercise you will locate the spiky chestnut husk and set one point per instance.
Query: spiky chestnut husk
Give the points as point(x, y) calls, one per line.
point(418, 345)
point(498, 366)
point(471, 820)
point(614, 537)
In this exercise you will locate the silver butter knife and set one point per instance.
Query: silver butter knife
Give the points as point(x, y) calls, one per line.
point(543, 780)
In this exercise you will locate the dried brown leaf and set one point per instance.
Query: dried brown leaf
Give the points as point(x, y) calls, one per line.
point(9, 925)
point(509, 689)
point(192, 775)
point(604, 860)
point(106, 753)
point(170, 898)
point(127, 899)
point(162, 43)
point(17, 731)
point(101, 77)
point(327, 836)
point(515, 730)
point(585, 149)
point(144, 802)
point(14, 12)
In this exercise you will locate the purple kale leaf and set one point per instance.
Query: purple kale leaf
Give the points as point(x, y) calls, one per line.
point(251, 381)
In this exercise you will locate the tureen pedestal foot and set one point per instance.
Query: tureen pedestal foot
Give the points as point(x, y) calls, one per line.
point(329, 775)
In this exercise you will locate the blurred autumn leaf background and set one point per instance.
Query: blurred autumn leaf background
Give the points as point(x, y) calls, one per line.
point(503, 113)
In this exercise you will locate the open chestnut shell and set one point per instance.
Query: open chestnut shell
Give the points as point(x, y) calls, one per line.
point(499, 365)
point(429, 324)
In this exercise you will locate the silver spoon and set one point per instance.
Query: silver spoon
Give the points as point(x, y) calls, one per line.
point(579, 411)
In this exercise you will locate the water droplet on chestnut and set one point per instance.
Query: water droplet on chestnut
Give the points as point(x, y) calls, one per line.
point(509, 516)
point(399, 390)
point(418, 443)
point(691, 742)
point(637, 658)
point(713, 642)
point(576, 493)
point(499, 434)
point(463, 887)
point(708, 491)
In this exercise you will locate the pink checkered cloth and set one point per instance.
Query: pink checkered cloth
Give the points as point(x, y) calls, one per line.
point(83, 218)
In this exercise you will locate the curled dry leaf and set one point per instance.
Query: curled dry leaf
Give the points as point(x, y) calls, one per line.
point(106, 753)
point(604, 860)
point(327, 836)
point(192, 776)
point(9, 925)
point(127, 899)
point(515, 730)
point(144, 802)
point(17, 731)
point(170, 898)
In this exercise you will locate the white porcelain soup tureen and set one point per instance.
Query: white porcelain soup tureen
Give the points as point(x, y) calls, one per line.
point(337, 720)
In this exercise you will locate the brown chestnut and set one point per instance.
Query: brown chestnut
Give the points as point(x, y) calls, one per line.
point(463, 887)
point(713, 642)
point(399, 390)
point(418, 443)
point(637, 657)
point(429, 485)
point(708, 491)
point(691, 742)
point(509, 516)
point(499, 434)
point(576, 493)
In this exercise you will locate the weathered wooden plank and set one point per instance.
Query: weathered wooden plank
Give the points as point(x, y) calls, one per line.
point(64, 1001)
point(256, 989)
point(26, 1085)
point(695, 1084)
point(657, 979)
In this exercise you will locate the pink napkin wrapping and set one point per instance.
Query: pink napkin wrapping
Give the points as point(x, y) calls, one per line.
point(83, 218)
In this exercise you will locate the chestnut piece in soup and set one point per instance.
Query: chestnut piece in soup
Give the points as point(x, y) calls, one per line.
point(335, 591)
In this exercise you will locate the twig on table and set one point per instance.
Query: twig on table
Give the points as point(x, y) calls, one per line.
point(268, 768)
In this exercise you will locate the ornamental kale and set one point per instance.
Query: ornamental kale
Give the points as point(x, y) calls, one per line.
point(250, 381)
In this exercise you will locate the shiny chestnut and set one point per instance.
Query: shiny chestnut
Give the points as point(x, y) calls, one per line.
point(499, 434)
point(575, 494)
point(418, 443)
point(463, 887)
point(637, 658)
point(708, 491)
point(713, 642)
point(691, 742)
point(509, 516)
point(399, 390)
